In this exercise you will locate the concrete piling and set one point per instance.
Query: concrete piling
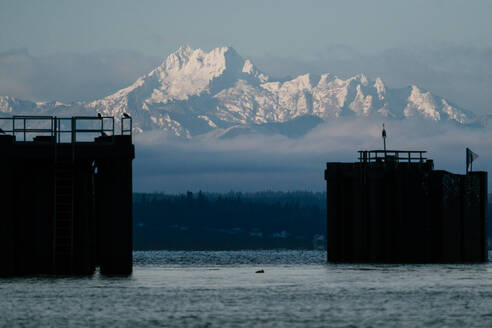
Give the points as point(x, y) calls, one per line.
point(66, 206)
point(396, 209)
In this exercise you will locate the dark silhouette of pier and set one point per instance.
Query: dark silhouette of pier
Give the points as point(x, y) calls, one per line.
point(391, 206)
point(66, 195)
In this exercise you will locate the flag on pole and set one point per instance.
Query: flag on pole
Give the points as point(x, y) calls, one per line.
point(470, 157)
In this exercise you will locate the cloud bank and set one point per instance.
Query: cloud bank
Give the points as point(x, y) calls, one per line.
point(253, 163)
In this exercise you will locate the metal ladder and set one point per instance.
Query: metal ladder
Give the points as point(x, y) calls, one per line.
point(63, 223)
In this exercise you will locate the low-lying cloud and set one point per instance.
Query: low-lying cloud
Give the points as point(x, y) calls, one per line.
point(252, 163)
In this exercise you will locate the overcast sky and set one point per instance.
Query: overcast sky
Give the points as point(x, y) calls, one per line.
point(85, 50)
point(254, 28)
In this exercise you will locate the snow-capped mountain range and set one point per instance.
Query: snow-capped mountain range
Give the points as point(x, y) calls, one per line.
point(194, 92)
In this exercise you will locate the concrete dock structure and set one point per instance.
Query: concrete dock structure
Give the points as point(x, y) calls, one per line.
point(66, 196)
point(393, 207)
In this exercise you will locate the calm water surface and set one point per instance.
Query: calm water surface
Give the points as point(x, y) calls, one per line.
point(221, 289)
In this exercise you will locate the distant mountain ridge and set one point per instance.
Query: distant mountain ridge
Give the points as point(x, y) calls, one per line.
point(194, 92)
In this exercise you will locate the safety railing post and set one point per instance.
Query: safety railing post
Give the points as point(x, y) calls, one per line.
point(74, 129)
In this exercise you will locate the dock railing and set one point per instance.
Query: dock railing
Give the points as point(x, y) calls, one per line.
point(25, 126)
point(398, 156)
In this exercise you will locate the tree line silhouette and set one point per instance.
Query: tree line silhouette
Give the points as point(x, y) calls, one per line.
point(210, 221)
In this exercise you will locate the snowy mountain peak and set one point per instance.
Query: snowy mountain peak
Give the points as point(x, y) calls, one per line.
point(175, 60)
point(187, 59)
point(363, 79)
point(380, 88)
point(248, 67)
point(251, 70)
point(188, 72)
point(195, 92)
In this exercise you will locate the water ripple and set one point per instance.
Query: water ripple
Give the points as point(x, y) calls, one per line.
point(221, 289)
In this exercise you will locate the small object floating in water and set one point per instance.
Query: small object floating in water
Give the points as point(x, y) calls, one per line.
point(260, 271)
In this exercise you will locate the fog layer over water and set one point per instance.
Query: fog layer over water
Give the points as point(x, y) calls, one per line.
point(221, 289)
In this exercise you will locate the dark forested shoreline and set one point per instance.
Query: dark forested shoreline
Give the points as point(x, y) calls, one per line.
point(209, 221)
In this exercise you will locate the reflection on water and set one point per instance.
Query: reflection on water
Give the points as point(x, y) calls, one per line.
point(222, 289)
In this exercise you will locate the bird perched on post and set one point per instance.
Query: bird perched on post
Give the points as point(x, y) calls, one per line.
point(99, 115)
point(125, 115)
point(103, 134)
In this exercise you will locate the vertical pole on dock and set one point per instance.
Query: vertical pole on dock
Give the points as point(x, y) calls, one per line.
point(384, 141)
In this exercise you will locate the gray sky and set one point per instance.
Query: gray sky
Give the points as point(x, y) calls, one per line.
point(85, 50)
point(254, 28)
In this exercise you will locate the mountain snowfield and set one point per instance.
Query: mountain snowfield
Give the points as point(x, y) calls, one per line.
point(194, 92)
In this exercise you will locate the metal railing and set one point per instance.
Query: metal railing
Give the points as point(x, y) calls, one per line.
point(57, 127)
point(75, 129)
point(24, 128)
point(128, 129)
point(398, 156)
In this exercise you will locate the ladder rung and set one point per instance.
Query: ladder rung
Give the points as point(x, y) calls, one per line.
point(60, 225)
point(65, 215)
point(61, 244)
point(64, 206)
point(64, 200)
point(63, 256)
point(64, 249)
point(64, 228)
